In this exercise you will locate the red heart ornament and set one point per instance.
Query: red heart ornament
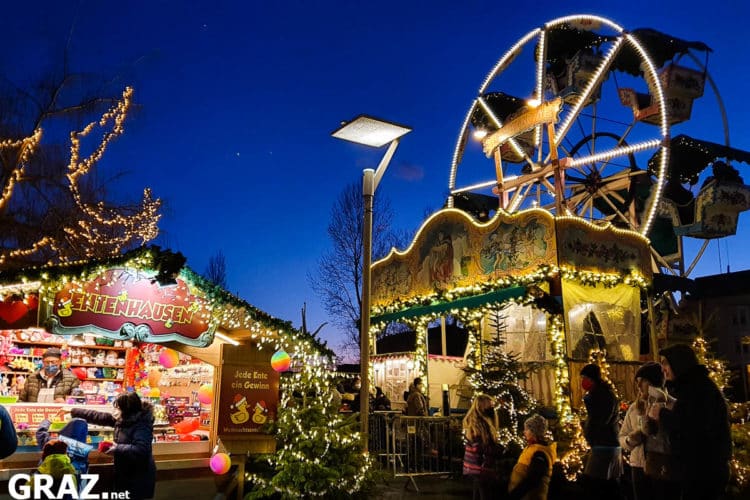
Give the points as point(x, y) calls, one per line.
point(12, 311)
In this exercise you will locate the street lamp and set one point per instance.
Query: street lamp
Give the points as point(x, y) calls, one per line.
point(375, 133)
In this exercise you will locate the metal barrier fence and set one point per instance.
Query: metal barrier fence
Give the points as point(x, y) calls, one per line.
point(416, 446)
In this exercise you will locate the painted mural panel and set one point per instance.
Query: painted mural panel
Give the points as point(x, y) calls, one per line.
point(586, 247)
point(452, 250)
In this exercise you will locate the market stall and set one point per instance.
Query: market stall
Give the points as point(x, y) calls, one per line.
point(565, 286)
point(143, 322)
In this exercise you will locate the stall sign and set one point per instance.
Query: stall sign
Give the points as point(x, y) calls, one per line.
point(249, 398)
point(32, 415)
point(124, 303)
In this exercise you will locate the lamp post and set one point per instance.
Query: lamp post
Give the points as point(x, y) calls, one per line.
point(376, 133)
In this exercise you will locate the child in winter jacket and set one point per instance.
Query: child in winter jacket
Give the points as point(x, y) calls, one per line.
point(56, 463)
point(532, 473)
point(74, 436)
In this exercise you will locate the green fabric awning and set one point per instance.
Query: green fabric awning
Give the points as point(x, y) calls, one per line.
point(469, 302)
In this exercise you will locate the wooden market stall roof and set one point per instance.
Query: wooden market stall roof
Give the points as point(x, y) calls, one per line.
point(238, 319)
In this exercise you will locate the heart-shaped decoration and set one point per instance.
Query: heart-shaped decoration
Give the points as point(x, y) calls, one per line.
point(11, 311)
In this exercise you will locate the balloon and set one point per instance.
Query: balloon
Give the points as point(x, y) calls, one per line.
point(154, 377)
point(154, 392)
point(220, 463)
point(169, 358)
point(280, 361)
point(206, 394)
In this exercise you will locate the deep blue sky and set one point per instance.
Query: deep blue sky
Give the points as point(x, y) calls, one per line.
point(239, 98)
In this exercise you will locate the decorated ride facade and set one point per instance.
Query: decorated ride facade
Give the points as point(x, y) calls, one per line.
point(566, 287)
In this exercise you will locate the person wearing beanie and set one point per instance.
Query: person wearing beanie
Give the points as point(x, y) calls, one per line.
point(532, 473)
point(73, 435)
point(52, 383)
point(602, 471)
point(697, 425)
point(56, 463)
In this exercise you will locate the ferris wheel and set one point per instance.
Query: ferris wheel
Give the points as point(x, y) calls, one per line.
point(576, 118)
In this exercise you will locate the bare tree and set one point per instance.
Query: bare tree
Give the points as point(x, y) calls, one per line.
point(55, 205)
point(338, 279)
point(216, 272)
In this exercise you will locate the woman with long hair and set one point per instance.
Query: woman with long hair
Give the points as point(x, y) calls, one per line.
point(133, 421)
point(482, 448)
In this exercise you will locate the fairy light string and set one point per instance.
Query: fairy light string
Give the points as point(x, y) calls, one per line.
point(95, 229)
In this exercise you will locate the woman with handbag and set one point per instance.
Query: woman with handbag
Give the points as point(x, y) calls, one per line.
point(650, 458)
point(659, 464)
point(632, 432)
point(482, 449)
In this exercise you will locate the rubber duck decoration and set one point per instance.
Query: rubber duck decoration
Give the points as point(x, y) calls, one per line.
point(65, 309)
point(241, 415)
point(259, 415)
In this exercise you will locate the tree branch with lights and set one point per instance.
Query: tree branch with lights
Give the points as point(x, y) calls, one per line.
point(53, 208)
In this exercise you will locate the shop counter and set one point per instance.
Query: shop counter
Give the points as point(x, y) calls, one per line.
point(168, 454)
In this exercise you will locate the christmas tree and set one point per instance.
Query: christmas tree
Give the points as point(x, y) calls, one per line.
point(318, 450)
point(497, 373)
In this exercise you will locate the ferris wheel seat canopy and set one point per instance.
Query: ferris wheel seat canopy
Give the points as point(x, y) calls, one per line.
point(717, 209)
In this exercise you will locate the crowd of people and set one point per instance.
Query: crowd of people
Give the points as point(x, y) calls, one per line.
point(675, 434)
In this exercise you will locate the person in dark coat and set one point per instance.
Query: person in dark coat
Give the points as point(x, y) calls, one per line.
point(381, 402)
point(135, 469)
point(8, 438)
point(601, 474)
point(697, 425)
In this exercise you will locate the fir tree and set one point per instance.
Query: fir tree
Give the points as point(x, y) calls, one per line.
point(497, 373)
point(717, 368)
point(318, 450)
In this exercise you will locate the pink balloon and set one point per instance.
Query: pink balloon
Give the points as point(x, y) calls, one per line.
point(206, 394)
point(169, 358)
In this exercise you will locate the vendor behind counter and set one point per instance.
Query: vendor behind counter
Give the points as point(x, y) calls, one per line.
point(52, 383)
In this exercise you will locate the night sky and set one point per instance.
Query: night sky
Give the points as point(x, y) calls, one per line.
point(238, 99)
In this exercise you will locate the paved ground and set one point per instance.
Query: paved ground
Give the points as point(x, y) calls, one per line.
point(424, 487)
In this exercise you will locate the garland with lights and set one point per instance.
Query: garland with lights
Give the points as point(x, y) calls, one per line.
point(543, 273)
point(740, 432)
point(496, 373)
point(318, 451)
point(228, 310)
